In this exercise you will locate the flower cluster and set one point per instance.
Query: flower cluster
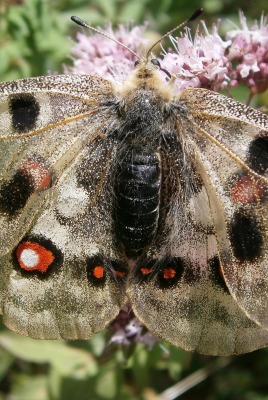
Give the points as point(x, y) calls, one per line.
point(198, 62)
point(98, 55)
point(128, 329)
point(248, 54)
point(206, 60)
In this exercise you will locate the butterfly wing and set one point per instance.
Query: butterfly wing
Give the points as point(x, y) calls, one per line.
point(60, 274)
point(179, 290)
point(238, 173)
point(40, 133)
point(196, 311)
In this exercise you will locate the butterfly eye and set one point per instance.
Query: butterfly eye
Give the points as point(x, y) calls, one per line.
point(246, 189)
point(136, 63)
point(155, 62)
point(146, 270)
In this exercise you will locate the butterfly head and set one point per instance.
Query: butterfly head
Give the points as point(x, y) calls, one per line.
point(147, 82)
point(148, 65)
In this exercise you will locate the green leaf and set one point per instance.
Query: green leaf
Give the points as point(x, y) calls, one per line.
point(30, 388)
point(67, 360)
point(6, 360)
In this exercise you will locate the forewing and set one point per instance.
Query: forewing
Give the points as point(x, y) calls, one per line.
point(231, 143)
point(44, 123)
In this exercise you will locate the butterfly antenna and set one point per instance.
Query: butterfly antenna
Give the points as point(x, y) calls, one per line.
point(195, 15)
point(79, 21)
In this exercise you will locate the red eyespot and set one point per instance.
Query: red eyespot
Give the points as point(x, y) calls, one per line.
point(247, 190)
point(40, 176)
point(169, 273)
point(34, 257)
point(98, 272)
point(146, 271)
point(120, 274)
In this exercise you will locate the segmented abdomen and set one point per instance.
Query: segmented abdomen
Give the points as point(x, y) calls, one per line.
point(137, 201)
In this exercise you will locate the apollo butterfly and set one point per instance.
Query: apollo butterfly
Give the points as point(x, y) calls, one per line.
point(114, 193)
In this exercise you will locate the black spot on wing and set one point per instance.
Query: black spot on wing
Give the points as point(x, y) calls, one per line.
point(24, 110)
point(15, 192)
point(246, 237)
point(171, 271)
point(258, 155)
point(100, 270)
point(168, 271)
point(192, 274)
point(96, 271)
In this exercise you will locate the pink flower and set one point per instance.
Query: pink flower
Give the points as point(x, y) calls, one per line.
point(97, 55)
point(249, 55)
point(203, 61)
point(128, 329)
point(198, 62)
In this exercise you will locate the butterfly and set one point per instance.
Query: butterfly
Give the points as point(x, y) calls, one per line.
point(115, 193)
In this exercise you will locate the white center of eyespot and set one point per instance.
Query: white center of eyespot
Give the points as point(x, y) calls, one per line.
point(29, 258)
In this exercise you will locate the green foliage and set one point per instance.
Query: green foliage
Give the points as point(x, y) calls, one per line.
point(34, 33)
point(61, 370)
point(96, 370)
point(33, 40)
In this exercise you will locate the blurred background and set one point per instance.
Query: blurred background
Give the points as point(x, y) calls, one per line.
point(35, 35)
point(35, 39)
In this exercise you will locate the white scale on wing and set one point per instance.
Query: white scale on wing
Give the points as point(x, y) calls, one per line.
point(72, 200)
